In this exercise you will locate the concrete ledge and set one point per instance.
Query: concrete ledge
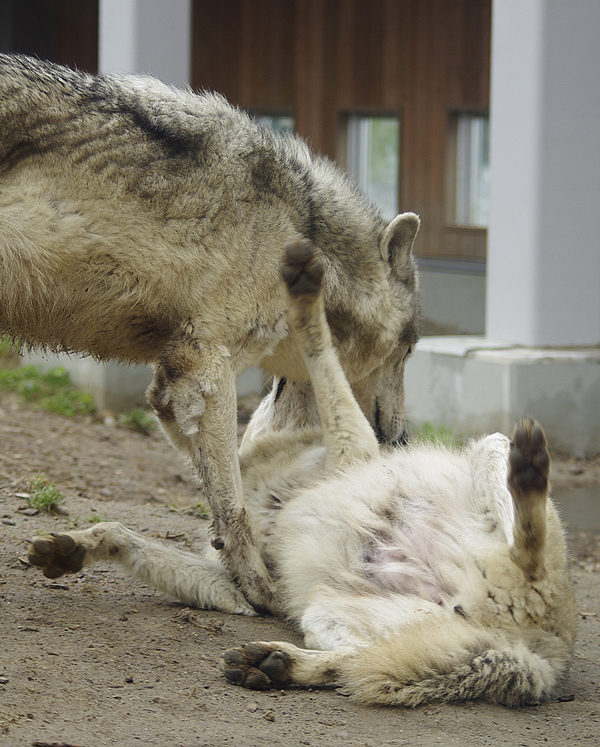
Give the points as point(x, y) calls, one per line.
point(475, 385)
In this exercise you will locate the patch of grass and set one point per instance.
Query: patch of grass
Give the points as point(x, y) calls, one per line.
point(50, 390)
point(9, 351)
point(7, 347)
point(139, 420)
point(44, 495)
point(432, 434)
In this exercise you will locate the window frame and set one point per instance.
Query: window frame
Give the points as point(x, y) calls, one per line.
point(343, 145)
point(452, 168)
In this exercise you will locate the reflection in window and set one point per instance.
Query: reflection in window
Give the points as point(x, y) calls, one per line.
point(281, 123)
point(472, 170)
point(373, 159)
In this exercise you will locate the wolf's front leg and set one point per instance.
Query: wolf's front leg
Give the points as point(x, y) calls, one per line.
point(193, 394)
point(488, 458)
point(192, 579)
point(348, 435)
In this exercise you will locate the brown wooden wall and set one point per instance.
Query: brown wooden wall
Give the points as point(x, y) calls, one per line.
point(320, 59)
point(75, 33)
point(65, 31)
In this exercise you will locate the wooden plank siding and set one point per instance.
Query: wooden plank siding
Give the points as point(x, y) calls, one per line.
point(320, 59)
point(75, 33)
point(65, 31)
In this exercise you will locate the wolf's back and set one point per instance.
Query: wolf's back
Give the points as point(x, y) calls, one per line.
point(177, 154)
point(139, 121)
point(45, 107)
point(35, 98)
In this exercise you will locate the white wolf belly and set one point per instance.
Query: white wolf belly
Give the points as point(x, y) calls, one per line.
point(366, 532)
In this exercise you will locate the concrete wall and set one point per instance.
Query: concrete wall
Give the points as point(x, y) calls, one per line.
point(146, 36)
point(118, 387)
point(541, 353)
point(473, 385)
point(114, 386)
point(452, 296)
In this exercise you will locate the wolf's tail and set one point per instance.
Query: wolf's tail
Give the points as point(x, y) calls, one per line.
point(457, 662)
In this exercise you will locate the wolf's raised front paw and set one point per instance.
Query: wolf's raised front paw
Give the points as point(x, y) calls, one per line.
point(258, 666)
point(56, 554)
point(302, 268)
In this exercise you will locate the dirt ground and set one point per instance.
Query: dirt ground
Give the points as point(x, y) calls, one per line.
point(97, 659)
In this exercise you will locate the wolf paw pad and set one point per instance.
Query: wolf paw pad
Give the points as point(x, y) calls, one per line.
point(257, 666)
point(56, 554)
point(302, 268)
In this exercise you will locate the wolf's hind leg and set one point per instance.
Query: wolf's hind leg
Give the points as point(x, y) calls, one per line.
point(348, 436)
point(528, 467)
point(192, 579)
point(448, 660)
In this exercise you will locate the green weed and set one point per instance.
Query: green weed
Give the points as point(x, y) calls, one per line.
point(8, 349)
point(9, 352)
point(75, 521)
point(50, 390)
point(441, 435)
point(44, 495)
point(200, 510)
point(138, 420)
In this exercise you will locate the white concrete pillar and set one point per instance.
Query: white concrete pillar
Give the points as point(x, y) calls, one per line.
point(543, 270)
point(146, 36)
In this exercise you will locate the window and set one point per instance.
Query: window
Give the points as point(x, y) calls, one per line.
point(373, 159)
point(279, 122)
point(471, 139)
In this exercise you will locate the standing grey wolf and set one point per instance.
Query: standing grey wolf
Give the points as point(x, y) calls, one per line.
point(415, 574)
point(147, 224)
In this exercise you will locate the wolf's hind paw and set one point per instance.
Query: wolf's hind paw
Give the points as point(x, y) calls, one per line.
point(258, 666)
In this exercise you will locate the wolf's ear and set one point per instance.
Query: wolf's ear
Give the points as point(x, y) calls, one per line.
point(397, 242)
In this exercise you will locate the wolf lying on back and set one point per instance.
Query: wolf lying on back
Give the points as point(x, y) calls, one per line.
point(145, 224)
point(415, 575)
